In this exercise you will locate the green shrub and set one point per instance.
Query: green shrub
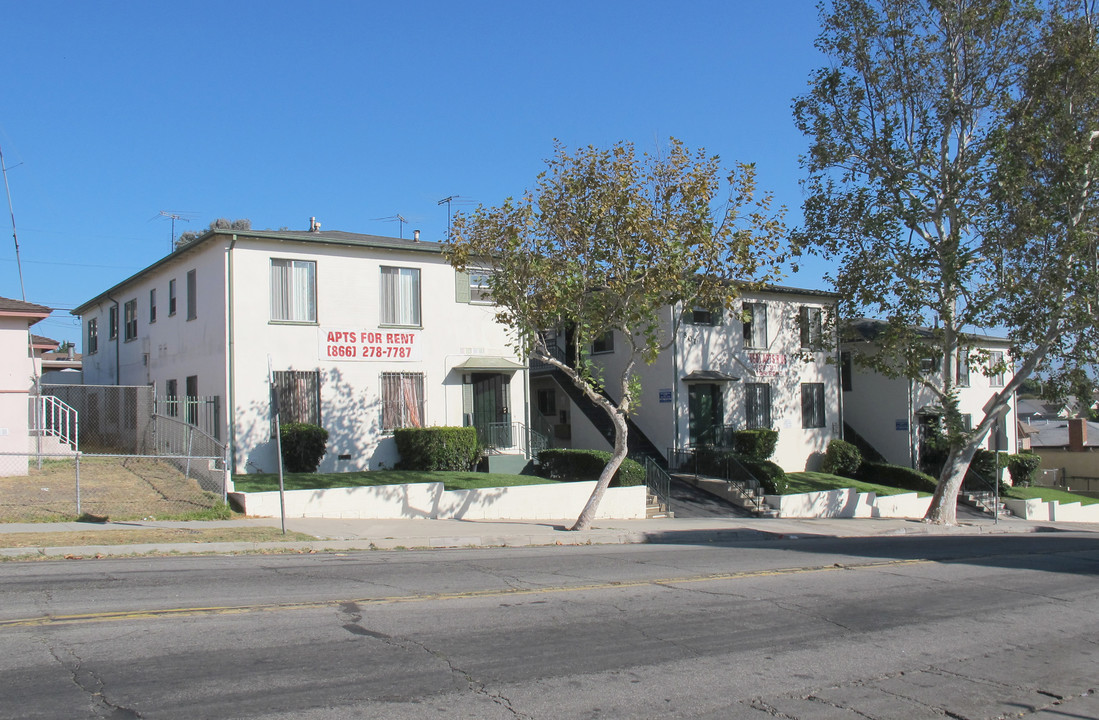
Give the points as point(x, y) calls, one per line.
point(565, 464)
point(842, 458)
point(437, 448)
point(303, 446)
point(756, 444)
point(897, 476)
point(771, 477)
point(1023, 467)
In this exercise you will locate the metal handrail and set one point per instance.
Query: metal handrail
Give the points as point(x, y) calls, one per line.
point(728, 468)
point(512, 435)
point(51, 416)
point(658, 482)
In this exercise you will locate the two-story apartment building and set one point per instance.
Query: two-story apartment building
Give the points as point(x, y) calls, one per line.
point(771, 364)
point(360, 334)
point(893, 414)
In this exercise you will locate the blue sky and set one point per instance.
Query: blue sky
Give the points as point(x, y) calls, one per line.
point(111, 112)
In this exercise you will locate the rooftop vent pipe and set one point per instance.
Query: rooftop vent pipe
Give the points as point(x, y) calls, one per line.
point(314, 226)
point(416, 236)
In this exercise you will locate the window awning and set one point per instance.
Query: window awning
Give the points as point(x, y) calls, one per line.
point(489, 363)
point(709, 376)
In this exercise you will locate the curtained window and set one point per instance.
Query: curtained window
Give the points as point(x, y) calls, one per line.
point(402, 400)
point(294, 290)
point(400, 296)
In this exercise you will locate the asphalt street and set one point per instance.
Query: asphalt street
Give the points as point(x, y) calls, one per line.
point(871, 627)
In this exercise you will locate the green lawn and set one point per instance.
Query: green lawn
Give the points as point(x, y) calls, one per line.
point(1048, 494)
point(803, 482)
point(321, 481)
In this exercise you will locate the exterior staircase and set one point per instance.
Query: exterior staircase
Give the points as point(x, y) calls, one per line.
point(53, 426)
point(985, 501)
point(656, 508)
point(637, 442)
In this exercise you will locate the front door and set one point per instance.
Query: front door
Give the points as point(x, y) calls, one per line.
point(491, 415)
point(705, 413)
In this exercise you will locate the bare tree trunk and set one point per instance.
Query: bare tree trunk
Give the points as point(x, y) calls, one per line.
point(944, 505)
point(620, 450)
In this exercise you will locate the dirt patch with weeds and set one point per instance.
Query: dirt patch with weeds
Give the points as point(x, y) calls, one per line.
point(118, 488)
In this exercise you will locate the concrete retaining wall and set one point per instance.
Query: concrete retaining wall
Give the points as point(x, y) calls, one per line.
point(849, 503)
point(431, 501)
point(1035, 509)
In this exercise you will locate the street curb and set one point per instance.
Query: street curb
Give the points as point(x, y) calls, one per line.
point(609, 536)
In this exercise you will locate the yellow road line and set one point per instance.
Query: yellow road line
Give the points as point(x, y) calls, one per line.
point(394, 599)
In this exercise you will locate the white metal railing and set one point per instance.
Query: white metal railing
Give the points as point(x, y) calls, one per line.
point(52, 417)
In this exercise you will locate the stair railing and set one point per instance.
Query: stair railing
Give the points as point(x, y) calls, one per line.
point(52, 417)
point(657, 480)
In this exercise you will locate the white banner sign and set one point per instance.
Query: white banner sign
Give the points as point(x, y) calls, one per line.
point(370, 345)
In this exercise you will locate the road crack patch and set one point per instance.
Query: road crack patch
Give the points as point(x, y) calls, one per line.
point(92, 685)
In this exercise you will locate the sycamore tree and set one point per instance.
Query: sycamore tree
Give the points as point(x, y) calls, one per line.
point(611, 241)
point(918, 186)
point(1044, 229)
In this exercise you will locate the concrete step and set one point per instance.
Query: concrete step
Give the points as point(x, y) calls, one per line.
point(49, 445)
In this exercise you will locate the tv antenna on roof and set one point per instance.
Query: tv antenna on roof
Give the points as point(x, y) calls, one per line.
point(174, 215)
point(448, 200)
point(399, 218)
point(14, 234)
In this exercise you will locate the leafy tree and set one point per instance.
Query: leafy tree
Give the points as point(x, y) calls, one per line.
point(609, 241)
point(915, 129)
point(190, 236)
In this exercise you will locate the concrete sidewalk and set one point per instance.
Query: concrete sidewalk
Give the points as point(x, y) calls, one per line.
point(353, 534)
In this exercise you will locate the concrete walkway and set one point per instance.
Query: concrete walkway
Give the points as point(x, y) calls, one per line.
point(353, 534)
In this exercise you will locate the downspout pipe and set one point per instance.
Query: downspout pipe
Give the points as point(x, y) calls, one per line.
point(230, 424)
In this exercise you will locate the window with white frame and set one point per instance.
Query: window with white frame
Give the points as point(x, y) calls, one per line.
point(152, 306)
point(812, 405)
point(962, 375)
point(400, 296)
point(603, 344)
point(478, 286)
point(996, 368)
point(112, 322)
point(703, 316)
point(757, 405)
point(92, 347)
point(402, 400)
point(293, 290)
point(171, 297)
point(811, 325)
point(755, 325)
point(192, 294)
point(129, 311)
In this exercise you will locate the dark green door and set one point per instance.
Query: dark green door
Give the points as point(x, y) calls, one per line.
point(705, 408)
point(491, 415)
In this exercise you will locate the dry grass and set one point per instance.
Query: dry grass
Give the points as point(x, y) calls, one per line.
point(149, 535)
point(120, 488)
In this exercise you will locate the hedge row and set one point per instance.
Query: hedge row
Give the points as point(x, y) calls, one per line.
point(437, 448)
point(565, 464)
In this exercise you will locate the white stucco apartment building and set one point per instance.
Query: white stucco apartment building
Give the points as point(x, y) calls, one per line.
point(772, 364)
point(362, 334)
point(891, 414)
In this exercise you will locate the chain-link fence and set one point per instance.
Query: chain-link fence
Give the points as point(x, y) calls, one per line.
point(125, 461)
point(42, 488)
